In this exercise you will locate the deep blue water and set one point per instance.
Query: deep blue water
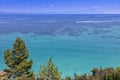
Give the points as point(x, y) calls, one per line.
point(77, 43)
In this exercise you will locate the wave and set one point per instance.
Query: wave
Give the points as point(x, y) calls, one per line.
point(2, 22)
point(19, 19)
point(45, 21)
point(99, 21)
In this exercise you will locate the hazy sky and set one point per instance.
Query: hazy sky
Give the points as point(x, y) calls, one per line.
point(61, 6)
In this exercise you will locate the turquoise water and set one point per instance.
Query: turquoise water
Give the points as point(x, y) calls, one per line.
point(79, 47)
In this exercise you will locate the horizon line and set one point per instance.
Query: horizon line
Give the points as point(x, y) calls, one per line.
point(13, 12)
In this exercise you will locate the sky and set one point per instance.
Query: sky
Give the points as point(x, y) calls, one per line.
point(61, 6)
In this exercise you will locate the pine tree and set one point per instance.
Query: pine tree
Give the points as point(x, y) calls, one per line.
point(49, 72)
point(16, 60)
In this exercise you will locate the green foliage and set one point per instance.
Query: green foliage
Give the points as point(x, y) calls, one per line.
point(77, 77)
point(25, 78)
point(49, 72)
point(94, 71)
point(16, 59)
point(68, 78)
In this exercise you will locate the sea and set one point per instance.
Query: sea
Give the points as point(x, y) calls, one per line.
point(77, 43)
